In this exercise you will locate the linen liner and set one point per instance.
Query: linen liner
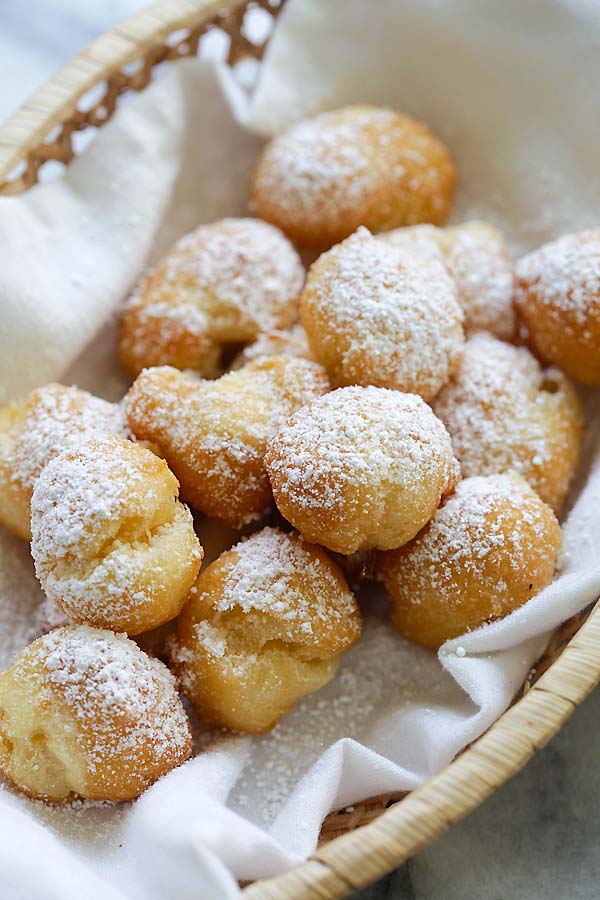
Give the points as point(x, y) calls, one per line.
point(500, 86)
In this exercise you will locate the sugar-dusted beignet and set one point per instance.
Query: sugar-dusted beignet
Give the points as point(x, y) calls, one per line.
point(214, 434)
point(558, 297)
point(112, 545)
point(476, 258)
point(52, 419)
point(361, 468)
point(377, 314)
point(49, 616)
point(292, 342)
point(491, 547)
point(362, 165)
point(223, 284)
point(85, 713)
point(504, 412)
point(265, 625)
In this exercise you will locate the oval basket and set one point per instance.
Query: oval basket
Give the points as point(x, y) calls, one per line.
point(359, 845)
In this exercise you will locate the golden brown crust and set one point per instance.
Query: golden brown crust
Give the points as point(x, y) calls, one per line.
point(382, 315)
point(112, 545)
point(362, 165)
point(491, 547)
point(52, 419)
point(85, 713)
point(361, 468)
point(477, 260)
point(558, 298)
point(15, 498)
point(265, 625)
point(504, 412)
point(214, 434)
point(292, 342)
point(223, 284)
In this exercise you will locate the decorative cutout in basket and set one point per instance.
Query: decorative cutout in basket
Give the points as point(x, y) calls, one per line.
point(360, 845)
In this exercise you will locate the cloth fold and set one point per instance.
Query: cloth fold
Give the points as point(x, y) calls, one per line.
point(508, 87)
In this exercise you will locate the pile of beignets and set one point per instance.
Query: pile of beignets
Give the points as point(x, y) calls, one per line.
point(403, 411)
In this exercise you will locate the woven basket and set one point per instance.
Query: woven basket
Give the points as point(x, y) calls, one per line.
point(359, 845)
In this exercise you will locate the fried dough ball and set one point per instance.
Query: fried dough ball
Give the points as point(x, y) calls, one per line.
point(223, 284)
point(48, 617)
point(322, 178)
point(361, 468)
point(214, 434)
point(558, 297)
point(476, 258)
point(52, 419)
point(265, 625)
point(491, 547)
point(375, 314)
point(504, 412)
point(112, 545)
point(85, 713)
point(293, 342)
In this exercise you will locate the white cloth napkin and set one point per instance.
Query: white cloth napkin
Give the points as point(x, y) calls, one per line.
point(511, 88)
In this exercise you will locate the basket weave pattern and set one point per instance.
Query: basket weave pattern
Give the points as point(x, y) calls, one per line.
point(364, 842)
point(110, 68)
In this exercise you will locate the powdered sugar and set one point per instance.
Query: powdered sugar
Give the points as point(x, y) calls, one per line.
point(214, 433)
point(504, 412)
point(227, 282)
point(367, 437)
point(20, 597)
point(60, 418)
point(564, 275)
point(172, 318)
point(124, 702)
point(379, 675)
point(477, 260)
point(494, 519)
point(276, 574)
point(49, 616)
point(81, 501)
point(324, 176)
point(378, 314)
point(419, 238)
point(320, 161)
point(208, 636)
point(98, 517)
point(293, 342)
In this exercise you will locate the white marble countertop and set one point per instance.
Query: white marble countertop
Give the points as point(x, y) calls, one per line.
point(535, 838)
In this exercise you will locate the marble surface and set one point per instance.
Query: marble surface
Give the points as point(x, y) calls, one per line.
point(537, 836)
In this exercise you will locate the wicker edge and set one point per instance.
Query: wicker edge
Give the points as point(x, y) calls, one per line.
point(56, 101)
point(364, 853)
point(361, 856)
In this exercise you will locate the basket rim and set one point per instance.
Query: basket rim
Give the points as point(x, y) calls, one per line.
point(361, 856)
point(55, 100)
